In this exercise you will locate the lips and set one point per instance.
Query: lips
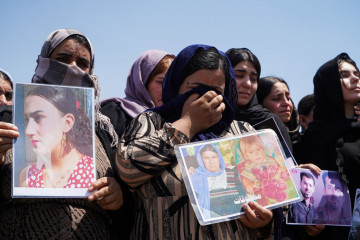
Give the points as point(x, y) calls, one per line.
point(285, 111)
point(245, 94)
point(34, 143)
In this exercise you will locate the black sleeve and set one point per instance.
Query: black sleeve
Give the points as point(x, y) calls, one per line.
point(119, 119)
point(283, 130)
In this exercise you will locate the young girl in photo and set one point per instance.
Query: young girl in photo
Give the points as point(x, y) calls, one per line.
point(260, 173)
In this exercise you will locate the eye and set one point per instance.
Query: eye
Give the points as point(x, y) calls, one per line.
point(239, 76)
point(63, 59)
point(345, 74)
point(38, 118)
point(9, 96)
point(82, 64)
point(26, 120)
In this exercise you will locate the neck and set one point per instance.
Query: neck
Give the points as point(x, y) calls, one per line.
point(307, 202)
point(349, 110)
point(66, 161)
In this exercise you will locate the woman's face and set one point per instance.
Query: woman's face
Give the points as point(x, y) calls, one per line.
point(74, 53)
point(246, 81)
point(6, 92)
point(154, 86)
point(211, 161)
point(278, 101)
point(44, 125)
point(350, 83)
point(213, 78)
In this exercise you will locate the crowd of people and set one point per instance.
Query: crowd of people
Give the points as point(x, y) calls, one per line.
point(198, 94)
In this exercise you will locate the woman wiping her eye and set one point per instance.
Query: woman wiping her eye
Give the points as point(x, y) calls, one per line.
point(200, 97)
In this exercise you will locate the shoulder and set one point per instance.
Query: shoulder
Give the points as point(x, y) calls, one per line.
point(118, 117)
point(143, 124)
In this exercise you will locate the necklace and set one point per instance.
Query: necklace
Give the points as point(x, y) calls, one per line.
point(58, 180)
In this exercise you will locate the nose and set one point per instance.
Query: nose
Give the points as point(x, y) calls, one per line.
point(30, 128)
point(3, 100)
point(244, 82)
point(286, 102)
point(354, 78)
point(73, 63)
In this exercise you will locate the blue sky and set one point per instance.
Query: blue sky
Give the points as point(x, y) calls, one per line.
point(292, 39)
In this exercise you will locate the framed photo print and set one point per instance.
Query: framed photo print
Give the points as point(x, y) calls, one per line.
point(326, 199)
point(54, 154)
point(222, 174)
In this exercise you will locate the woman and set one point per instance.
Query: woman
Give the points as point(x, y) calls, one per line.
point(143, 89)
point(67, 58)
point(247, 71)
point(274, 94)
point(60, 133)
point(332, 140)
point(214, 184)
point(6, 93)
point(199, 96)
point(6, 88)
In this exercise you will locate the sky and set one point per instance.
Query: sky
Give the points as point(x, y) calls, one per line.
point(292, 39)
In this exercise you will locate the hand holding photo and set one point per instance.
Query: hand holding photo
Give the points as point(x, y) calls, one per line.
point(57, 136)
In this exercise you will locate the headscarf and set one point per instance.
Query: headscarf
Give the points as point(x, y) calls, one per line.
point(8, 75)
point(329, 122)
point(137, 98)
point(50, 71)
point(200, 177)
point(173, 103)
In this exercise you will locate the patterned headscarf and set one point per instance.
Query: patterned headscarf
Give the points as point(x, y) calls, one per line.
point(50, 71)
point(137, 98)
point(8, 75)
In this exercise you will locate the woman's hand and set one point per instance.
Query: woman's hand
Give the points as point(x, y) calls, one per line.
point(313, 230)
point(108, 195)
point(312, 167)
point(357, 112)
point(8, 132)
point(200, 113)
point(255, 216)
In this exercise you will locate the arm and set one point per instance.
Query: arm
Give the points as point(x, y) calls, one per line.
point(147, 147)
point(22, 178)
point(145, 152)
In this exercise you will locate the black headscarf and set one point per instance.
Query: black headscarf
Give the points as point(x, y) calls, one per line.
point(329, 122)
point(331, 141)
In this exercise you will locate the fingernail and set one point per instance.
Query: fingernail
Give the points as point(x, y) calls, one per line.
point(245, 206)
point(91, 189)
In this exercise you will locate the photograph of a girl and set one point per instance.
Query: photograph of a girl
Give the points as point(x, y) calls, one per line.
point(59, 134)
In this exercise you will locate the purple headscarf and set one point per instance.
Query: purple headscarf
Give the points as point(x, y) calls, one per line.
point(137, 98)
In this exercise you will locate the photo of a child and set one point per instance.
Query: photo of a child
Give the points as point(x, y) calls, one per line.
point(260, 173)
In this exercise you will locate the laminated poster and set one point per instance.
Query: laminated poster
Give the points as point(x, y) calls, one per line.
point(54, 154)
point(355, 223)
point(326, 199)
point(222, 174)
